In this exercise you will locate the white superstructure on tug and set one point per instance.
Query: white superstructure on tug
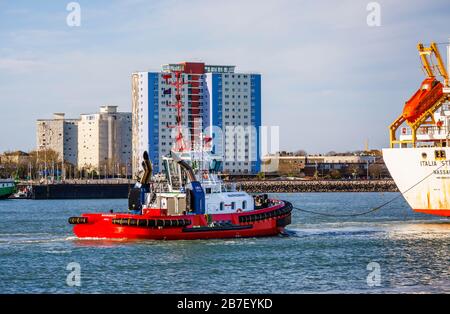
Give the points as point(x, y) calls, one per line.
point(419, 157)
point(170, 189)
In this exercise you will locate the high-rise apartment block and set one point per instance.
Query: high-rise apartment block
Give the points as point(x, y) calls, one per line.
point(59, 134)
point(104, 139)
point(95, 142)
point(217, 102)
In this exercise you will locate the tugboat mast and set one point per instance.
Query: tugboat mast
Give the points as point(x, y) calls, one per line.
point(178, 83)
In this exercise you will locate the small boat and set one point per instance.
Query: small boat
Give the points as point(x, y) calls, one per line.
point(7, 188)
point(22, 194)
point(188, 201)
point(430, 91)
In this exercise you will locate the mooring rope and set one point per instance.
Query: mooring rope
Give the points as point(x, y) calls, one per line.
point(372, 209)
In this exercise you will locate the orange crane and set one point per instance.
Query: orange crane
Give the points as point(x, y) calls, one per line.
point(427, 98)
point(427, 62)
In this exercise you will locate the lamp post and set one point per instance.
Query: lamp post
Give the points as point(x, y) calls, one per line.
point(367, 175)
point(316, 173)
point(43, 147)
point(38, 168)
point(47, 130)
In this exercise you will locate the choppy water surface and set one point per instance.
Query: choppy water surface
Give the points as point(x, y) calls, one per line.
point(322, 254)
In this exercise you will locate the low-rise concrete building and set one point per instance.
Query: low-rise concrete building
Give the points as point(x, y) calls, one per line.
point(16, 157)
point(319, 165)
point(338, 165)
point(283, 164)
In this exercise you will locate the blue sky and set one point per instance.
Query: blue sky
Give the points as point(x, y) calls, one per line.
point(329, 80)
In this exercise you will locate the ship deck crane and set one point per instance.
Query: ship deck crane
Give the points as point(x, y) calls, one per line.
point(419, 109)
point(427, 62)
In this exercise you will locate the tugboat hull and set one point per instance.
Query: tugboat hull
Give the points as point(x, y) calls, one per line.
point(256, 223)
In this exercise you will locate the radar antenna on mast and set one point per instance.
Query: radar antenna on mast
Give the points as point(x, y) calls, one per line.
point(178, 83)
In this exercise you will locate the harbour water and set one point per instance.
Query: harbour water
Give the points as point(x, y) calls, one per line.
point(320, 255)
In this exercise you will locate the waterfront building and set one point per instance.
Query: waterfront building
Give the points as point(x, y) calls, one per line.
point(323, 165)
point(60, 135)
point(17, 157)
point(345, 166)
point(217, 102)
point(104, 141)
point(283, 164)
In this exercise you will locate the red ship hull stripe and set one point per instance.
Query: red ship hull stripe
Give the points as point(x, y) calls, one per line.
point(437, 212)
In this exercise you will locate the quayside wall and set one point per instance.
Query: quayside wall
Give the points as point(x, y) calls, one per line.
point(80, 191)
point(120, 190)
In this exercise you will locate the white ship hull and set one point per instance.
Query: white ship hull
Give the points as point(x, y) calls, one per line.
point(423, 177)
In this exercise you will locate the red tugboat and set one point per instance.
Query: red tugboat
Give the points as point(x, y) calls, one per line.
point(185, 204)
point(188, 201)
